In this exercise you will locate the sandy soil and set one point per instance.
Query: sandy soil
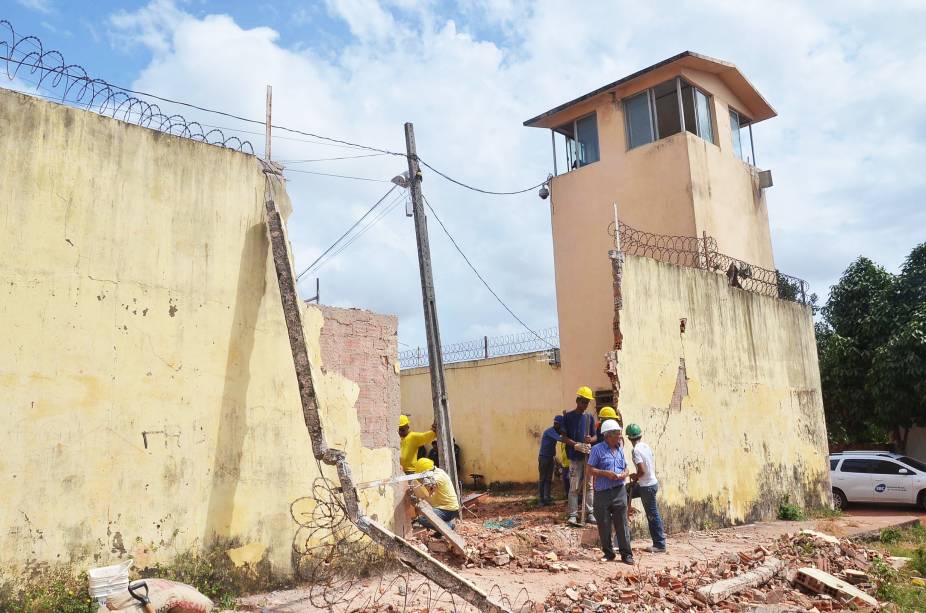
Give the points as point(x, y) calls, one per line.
point(520, 586)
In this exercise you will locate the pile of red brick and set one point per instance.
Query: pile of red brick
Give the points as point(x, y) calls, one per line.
point(684, 587)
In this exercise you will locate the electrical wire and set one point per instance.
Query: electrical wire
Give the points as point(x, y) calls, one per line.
point(480, 190)
point(328, 139)
point(348, 231)
point(344, 157)
point(329, 174)
point(481, 278)
point(379, 217)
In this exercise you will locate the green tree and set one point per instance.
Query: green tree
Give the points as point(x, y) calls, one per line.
point(898, 372)
point(872, 346)
point(847, 339)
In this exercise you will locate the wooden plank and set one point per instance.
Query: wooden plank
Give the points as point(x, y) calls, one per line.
point(473, 497)
point(457, 544)
point(715, 592)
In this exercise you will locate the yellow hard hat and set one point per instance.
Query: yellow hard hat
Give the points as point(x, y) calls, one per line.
point(607, 413)
point(423, 465)
point(403, 420)
point(585, 392)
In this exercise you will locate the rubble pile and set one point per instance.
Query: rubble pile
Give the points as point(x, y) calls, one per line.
point(518, 546)
point(689, 586)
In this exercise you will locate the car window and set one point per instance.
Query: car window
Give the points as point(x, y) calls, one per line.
point(914, 463)
point(833, 464)
point(857, 465)
point(886, 467)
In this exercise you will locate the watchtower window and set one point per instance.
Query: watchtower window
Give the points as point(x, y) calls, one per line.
point(741, 131)
point(581, 139)
point(667, 109)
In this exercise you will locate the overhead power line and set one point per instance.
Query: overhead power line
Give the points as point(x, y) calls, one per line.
point(480, 190)
point(481, 278)
point(328, 139)
point(348, 231)
point(329, 174)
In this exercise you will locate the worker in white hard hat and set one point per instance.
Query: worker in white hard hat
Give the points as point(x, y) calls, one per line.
point(579, 431)
point(606, 463)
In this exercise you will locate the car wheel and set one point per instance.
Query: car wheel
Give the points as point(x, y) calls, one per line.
point(921, 500)
point(840, 503)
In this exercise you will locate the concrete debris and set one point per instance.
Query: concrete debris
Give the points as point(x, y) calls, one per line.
point(755, 581)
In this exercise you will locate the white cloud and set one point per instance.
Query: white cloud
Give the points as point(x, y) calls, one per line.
point(845, 150)
point(42, 6)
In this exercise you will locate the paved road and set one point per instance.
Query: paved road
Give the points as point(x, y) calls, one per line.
point(884, 510)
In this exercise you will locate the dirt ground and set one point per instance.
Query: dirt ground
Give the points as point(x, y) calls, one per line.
point(524, 553)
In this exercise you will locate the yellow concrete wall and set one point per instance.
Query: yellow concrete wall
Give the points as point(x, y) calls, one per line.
point(147, 388)
point(499, 409)
point(751, 428)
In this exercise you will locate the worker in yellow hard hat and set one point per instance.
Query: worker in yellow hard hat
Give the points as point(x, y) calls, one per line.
point(579, 431)
point(410, 442)
point(604, 415)
point(438, 491)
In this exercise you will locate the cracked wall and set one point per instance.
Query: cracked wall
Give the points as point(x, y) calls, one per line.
point(731, 406)
point(146, 380)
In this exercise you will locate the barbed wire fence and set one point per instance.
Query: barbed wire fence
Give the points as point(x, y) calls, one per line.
point(25, 57)
point(345, 571)
point(703, 253)
point(487, 347)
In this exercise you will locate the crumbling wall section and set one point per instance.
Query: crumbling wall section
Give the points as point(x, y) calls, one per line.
point(363, 346)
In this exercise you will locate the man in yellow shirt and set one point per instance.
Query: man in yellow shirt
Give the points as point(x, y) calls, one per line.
point(410, 442)
point(438, 491)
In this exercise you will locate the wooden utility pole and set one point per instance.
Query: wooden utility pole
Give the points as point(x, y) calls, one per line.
point(448, 460)
point(267, 123)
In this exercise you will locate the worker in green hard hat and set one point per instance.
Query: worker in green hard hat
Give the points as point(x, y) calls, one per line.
point(646, 485)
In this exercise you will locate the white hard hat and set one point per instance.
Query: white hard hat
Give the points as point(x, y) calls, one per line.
point(610, 426)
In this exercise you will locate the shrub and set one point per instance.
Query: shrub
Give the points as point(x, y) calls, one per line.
point(789, 512)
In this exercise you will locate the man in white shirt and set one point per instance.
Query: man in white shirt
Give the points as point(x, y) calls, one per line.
point(646, 486)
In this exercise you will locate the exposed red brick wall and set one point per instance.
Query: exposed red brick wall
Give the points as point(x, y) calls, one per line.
point(363, 346)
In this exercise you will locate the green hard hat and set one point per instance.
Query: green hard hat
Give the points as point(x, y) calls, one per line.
point(634, 431)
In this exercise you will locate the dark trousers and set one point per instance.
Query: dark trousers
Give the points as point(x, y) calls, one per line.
point(449, 518)
point(545, 466)
point(611, 513)
point(647, 494)
point(566, 481)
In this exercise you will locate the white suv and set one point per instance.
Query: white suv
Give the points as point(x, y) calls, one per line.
point(877, 476)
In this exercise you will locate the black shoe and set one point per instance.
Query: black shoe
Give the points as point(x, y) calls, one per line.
point(608, 557)
point(628, 560)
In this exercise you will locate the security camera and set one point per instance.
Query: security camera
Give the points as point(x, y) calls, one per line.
point(544, 193)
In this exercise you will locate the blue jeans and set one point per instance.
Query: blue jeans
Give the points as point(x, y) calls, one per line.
point(447, 516)
point(647, 495)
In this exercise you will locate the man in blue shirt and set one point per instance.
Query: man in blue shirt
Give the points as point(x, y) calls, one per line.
point(579, 427)
point(607, 465)
point(545, 462)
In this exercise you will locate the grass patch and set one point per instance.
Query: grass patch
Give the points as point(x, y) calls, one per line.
point(45, 588)
point(789, 512)
point(904, 543)
point(823, 513)
point(894, 587)
point(61, 588)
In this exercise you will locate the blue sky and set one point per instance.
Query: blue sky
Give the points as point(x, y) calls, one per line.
point(846, 149)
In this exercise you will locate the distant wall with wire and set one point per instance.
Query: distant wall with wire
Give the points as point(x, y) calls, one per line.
point(26, 59)
point(488, 347)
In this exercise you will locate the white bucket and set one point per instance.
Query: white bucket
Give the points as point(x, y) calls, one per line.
point(107, 580)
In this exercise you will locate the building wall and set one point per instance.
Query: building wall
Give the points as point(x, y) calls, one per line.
point(732, 407)
point(499, 408)
point(363, 346)
point(679, 186)
point(149, 397)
